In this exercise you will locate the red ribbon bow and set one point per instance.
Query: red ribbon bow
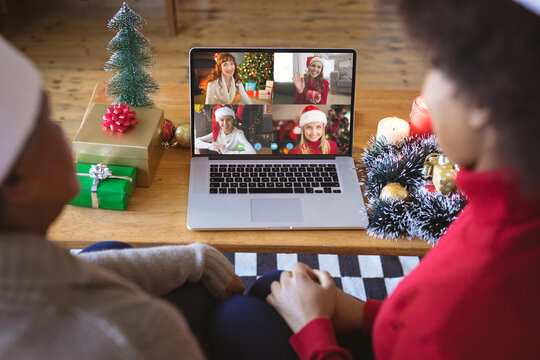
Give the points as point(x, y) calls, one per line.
point(119, 118)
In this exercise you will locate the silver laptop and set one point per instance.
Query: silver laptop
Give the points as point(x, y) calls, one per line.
point(271, 140)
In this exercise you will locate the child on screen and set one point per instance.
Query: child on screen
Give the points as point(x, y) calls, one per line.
point(225, 138)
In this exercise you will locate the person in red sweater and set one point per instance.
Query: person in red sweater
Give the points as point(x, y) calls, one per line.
point(312, 88)
point(475, 295)
point(312, 127)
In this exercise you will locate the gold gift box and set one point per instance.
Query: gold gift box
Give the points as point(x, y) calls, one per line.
point(138, 147)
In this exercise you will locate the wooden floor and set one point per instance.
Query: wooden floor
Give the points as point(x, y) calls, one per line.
point(67, 39)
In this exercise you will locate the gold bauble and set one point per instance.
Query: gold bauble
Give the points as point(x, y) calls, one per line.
point(183, 134)
point(394, 191)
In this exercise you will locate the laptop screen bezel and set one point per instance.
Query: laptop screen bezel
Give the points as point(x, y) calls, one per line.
point(195, 50)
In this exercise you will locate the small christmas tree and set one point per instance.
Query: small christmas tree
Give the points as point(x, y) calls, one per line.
point(337, 129)
point(257, 67)
point(131, 85)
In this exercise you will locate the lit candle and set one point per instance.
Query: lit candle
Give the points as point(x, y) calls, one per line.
point(420, 118)
point(393, 129)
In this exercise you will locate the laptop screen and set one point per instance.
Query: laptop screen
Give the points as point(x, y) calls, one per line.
point(272, 102)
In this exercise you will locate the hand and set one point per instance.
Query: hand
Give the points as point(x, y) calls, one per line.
point(217, 147)
point(299, 83)
point(315, 100)
point(303, 295)
point(349, 312)
point(235, 287)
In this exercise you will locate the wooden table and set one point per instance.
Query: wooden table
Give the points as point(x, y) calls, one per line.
point(157, 215)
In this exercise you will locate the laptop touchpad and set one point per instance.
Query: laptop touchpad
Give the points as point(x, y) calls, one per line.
point(277, 210)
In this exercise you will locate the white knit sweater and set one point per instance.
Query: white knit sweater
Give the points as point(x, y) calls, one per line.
point(229, 142)
point(57, 306)
point(215, 93)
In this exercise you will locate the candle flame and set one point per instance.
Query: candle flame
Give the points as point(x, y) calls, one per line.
point(420, 101)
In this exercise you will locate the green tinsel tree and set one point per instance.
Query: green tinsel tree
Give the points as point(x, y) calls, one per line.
point(257, 67)
point(337, 129)
point(131, 85)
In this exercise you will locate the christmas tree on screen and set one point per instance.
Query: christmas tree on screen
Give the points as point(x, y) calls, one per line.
point(257, 67)
point(337, 128)
point(131, 84)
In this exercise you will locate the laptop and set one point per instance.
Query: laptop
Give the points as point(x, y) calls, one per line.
point(271, 140)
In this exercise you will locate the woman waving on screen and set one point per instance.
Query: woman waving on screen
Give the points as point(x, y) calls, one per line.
point(312, 88)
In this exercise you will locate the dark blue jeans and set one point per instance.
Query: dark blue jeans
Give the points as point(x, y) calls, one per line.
point(192, 299)
point(247, 327)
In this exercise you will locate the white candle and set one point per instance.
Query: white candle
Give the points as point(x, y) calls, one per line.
point(393, 129)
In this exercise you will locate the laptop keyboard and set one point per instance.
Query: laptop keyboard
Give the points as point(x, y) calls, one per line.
point(273, 178)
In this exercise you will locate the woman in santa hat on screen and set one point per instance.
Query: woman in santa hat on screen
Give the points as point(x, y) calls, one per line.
point(225, 138)
point(223, 84)
point(312, 88)
point(312, 127)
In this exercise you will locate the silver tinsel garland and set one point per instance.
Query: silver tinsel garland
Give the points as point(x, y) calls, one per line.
point(427, 215)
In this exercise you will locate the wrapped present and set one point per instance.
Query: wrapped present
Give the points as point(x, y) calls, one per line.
point(312, 95)
point(105, 187)
point(442, 172)
point(252, 93)
point(138, 147)
point(269, 85)
point(265, 94)
point(250, 86)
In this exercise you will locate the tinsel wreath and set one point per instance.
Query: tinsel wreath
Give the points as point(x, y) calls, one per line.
point(427, 215)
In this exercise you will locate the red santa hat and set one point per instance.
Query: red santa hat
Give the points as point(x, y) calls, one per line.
point(221, 111)
point(20, 101)
point(313, 58)
point(310, 114)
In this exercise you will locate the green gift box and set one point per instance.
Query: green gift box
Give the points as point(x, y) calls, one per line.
point(113, 186)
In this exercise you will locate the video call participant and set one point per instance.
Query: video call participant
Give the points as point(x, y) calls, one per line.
point(312, 88)
point(312, 128)
point(223, 83)
point(225, 138)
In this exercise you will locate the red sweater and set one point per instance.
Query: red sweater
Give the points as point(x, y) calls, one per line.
point(314, 147)
point(300, 98)
point(475, 295)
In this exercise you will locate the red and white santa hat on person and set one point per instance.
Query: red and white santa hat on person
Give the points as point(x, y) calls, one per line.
point(313, 58)
point(310, 114)
point(221, 111)
point(20, 102)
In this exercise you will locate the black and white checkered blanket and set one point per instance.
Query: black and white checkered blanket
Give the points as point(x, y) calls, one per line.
point(362, 276)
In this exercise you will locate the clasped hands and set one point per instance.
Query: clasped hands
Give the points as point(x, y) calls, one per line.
point(305, 294)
